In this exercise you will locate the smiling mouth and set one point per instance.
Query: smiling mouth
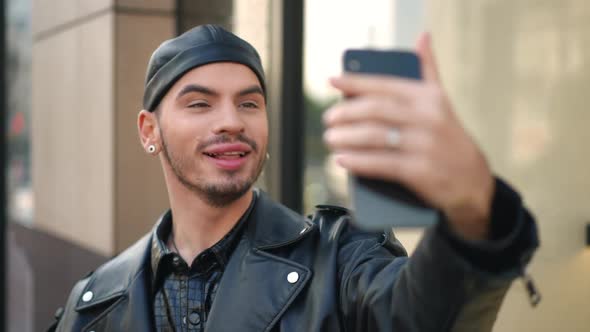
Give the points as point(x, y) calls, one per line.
point(227, 155)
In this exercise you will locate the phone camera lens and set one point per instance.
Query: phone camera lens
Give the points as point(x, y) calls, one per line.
point(354, 65)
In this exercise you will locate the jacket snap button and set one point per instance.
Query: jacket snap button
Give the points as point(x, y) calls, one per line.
point(176, 261)
point(292, 277)
point(194, 318)
point(87, 296)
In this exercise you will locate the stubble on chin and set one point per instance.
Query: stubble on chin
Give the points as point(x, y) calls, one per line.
point(217, 195)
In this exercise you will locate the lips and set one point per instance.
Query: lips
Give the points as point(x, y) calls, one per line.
point(225, 155)
point(228, 156)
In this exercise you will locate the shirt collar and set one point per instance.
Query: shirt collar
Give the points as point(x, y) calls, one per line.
point(222, 250)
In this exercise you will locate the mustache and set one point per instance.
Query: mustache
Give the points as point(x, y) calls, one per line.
point(225, 138)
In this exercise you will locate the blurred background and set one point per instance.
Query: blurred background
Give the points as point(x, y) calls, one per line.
point(79, 189)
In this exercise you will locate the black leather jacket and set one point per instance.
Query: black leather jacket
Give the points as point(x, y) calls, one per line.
point(290, 273)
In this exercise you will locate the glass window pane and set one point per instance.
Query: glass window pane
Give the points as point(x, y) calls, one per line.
point(373, 26)
point(383, 24)
point(20, 278)
point(18, 75)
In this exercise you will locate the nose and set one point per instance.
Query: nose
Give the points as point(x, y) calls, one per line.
point(229, 120)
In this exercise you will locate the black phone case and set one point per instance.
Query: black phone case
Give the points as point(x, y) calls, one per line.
point(379, 204)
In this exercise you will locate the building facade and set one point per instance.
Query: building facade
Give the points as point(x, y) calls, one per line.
point(81, 189)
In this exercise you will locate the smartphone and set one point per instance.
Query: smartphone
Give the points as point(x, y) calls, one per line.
point(379, 204)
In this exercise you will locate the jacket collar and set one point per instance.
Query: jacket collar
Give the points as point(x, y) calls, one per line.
point(257, 273)
point(273, 225)
point(270, 225)
point(119, 290)
point(114, 277)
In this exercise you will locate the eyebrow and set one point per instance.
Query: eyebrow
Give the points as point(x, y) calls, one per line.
point(196, 88)
point(204, 90)
point(250, 90)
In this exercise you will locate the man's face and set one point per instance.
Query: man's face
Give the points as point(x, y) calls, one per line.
point(214, 131)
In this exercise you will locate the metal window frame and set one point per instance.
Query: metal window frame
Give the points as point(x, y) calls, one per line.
point(286, 107)
point(3, 148)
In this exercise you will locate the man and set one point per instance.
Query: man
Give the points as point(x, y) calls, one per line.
point(225, 257)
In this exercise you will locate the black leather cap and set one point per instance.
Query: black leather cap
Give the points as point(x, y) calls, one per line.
point(199, 46)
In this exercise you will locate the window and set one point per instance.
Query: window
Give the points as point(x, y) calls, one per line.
point(383, 24)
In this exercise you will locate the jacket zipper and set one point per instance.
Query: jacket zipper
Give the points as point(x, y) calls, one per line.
point(533, 293)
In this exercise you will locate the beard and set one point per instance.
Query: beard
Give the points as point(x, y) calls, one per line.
point(221, 193)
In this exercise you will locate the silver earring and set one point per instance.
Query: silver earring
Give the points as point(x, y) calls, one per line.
point(267, 156)
point(151, 148)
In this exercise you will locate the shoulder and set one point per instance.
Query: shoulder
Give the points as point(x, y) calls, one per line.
point(338, 223)
point(103, 284)
point(359, 251)
point(66, 316)
point(126, 264)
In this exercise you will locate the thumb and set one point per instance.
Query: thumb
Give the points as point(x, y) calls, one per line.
point(427, 58)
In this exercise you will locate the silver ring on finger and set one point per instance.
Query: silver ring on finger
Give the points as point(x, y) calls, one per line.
point(393, 138)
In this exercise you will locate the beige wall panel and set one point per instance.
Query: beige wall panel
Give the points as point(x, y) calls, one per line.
point(49, 14)
point(167, 5)
point(72, 134)
point(252, 23)
point(519, 73)
point(140, 189)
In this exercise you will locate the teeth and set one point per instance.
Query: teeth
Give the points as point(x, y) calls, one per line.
point(232, 153)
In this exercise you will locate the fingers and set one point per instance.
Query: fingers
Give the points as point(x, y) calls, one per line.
point(362, 136)
point(427, 58)
point(384, 99)
point(378, 165)
point(359, 84)
point(384, 110)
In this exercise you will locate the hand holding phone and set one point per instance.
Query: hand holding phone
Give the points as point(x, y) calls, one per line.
point(433, 155)
point(380, 204)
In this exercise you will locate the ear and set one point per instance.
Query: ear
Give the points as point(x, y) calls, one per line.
point(148, 127)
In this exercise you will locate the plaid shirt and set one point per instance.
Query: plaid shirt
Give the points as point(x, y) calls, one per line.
point(183, 294)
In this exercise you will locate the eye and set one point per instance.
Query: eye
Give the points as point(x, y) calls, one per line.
point(249, 104)
point(198, 104)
